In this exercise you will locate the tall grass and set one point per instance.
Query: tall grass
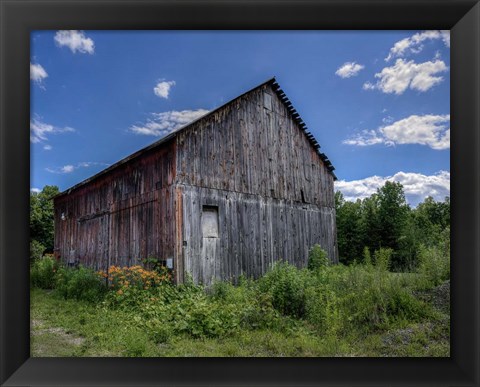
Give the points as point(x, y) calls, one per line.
point(434, 266)
point(43, 272)
point(80, 284)
point(330, 301)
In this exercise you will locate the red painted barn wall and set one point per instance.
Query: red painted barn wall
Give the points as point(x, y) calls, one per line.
point(121, 216)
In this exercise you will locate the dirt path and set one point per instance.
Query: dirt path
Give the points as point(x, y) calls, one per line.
point(52, 341)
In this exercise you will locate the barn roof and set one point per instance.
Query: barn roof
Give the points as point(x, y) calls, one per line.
point(280, 93)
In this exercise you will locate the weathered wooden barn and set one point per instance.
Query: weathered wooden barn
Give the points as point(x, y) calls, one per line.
point(228, 194)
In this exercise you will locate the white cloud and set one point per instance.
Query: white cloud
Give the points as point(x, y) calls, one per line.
point(413, 44)
point(365, 138)
point(37, 73)
point(47, 147)
point(368, 86)
point(167, 122)
point(162, 89)
point(35, 190)
point(431, 130)
point(87, 164)
point(69, 168)
point(403, 75)
point(387, 120)
point(416, 186)
point(446, 37)
point(39, 130)
point(349, 69)
point(75, 40)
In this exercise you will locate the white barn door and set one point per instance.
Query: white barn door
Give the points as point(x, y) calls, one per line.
point(209, 265)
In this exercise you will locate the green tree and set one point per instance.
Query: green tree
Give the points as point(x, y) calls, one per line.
point(431, 218)
point(409, 244)
point(392, 213)
point(349, 233)
point(385, 221)
point(42, 215)
point(370, 225)
point(392, 218)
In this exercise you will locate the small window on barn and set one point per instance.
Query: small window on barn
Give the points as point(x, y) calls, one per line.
point(267, 101)
point(210, 221)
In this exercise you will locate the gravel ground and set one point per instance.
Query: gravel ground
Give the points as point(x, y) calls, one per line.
point(439, 297)
point(424, 333)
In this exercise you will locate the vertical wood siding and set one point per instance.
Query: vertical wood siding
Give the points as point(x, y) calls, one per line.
point(121, 217)
point(246, 147)
point(274, 192)
point(254, 232)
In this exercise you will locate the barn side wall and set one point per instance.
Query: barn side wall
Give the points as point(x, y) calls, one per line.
point(121, 217)
point(253, 232)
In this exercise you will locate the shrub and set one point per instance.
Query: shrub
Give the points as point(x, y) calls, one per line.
point(198, 317)
point(383, 258)
point(286, 285)
point(43, 273)
point(185, 312)
point(356, 298)
point(221, 290)
point(367, 258)
point(402, 305)
point(323, 309)
point(434, 266)
point(36, 250)
point(80, 283)
point(317, 258)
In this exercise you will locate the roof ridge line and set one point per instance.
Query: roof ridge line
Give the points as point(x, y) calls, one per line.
point(296, 117)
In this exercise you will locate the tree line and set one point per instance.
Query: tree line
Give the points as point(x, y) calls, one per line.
point(384, 220)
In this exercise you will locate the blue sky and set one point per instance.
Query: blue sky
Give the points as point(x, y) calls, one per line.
point(378, 102)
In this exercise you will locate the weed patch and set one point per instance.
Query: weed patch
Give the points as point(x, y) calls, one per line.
point(323, 310)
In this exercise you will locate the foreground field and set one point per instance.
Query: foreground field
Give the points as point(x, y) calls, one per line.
point(331, 311)
point(71, 328)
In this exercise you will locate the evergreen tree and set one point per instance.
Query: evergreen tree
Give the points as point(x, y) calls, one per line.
point(42, 216)
point(392, 214)
point(370, 225)
point(349, 236)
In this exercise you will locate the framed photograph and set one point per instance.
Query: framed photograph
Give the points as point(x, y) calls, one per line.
point(44, 36)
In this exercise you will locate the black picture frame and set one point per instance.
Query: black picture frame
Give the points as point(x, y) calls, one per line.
point(19, 17)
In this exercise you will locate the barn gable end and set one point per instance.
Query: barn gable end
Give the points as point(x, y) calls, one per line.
point(252, 164)
point(254, 145)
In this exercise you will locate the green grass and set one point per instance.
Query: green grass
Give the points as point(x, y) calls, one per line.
point(78, 328)
point(356, 310)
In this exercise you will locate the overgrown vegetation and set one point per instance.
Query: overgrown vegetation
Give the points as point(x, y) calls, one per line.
point(389, 296)
point(330, 310)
